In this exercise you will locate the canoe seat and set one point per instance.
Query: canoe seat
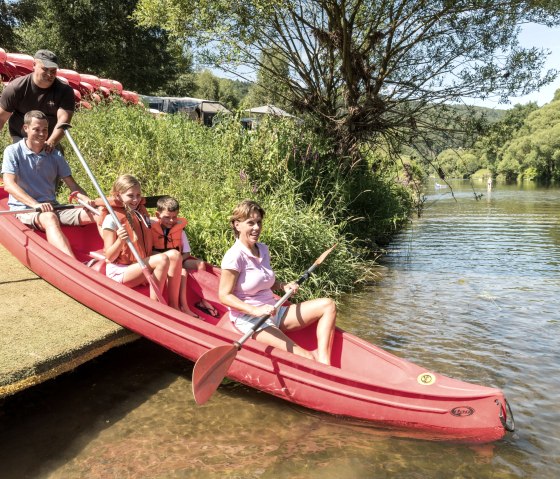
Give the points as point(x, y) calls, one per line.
point(97, 261)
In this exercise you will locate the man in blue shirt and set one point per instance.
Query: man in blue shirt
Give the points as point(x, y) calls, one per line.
point(30, 175)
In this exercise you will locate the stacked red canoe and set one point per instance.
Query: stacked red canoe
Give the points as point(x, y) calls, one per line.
point(88, 88)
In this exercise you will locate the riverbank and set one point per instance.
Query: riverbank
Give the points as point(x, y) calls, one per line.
point(44, 332)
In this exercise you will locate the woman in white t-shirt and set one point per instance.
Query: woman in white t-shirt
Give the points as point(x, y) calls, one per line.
point(246, 287)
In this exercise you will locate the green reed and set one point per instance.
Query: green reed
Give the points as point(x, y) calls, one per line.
point(309, 204)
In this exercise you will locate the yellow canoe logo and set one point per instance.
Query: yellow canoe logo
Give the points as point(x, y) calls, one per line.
point(426, 379)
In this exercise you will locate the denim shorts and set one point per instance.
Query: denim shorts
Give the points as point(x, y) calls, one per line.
point(246, 322)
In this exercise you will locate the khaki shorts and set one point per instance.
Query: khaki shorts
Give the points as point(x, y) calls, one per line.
point(66, 217)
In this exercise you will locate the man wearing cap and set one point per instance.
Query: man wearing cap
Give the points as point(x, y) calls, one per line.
point(40, 90)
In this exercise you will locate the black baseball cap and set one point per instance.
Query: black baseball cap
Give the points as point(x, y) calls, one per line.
point(47, 58)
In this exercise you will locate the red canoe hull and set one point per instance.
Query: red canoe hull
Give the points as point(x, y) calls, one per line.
point(365, 382)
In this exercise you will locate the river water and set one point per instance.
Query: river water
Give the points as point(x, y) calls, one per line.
point(470, 290)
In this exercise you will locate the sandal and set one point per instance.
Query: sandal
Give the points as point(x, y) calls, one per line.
point(207, 309)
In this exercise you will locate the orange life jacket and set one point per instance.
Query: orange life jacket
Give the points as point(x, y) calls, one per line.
point(137, 224)
point(169, 239)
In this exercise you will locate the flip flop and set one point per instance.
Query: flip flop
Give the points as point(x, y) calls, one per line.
point(212, 312)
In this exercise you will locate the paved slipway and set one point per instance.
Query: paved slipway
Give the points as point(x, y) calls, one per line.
point(43, 332)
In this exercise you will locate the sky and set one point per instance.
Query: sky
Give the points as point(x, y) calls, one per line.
point(539, 36)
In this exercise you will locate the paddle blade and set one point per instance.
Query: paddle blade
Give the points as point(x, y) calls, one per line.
point(210, 370)
point(321, 258)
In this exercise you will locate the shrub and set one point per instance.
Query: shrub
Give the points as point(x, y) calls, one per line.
point(310, 204)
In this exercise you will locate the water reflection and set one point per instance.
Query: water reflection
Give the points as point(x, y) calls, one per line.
point(469, 290)
point(140, 421)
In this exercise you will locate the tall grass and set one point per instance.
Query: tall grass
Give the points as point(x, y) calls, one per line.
point(309, 204)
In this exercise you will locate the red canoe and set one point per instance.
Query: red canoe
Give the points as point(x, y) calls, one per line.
point(22, 62)
point(72, 77)
point(13, 65)
point(111, 85)
point(130, 97)
point(365, 383)
point(91, 79)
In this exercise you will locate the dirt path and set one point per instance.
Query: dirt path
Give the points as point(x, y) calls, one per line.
point(44, 332)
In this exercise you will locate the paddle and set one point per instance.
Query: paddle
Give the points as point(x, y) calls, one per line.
point(74, 197)
point(145, 270)
point(38, 210)
point(212, 366)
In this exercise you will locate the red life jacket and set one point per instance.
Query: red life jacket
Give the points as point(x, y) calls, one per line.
point(137, 224)
point(169, 239)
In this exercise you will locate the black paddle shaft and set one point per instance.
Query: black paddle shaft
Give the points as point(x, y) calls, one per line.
point(38, 209)
point(278, 303)
point(60, 207)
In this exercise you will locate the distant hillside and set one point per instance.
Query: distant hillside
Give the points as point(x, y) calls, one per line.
point(491, 114)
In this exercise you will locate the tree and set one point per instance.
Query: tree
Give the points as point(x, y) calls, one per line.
point(228, 94)
point(458, 163)
point(100, 38)
point(270, 88)
point(489, 147)
point(11, 14)
point(368, 71)
point(207, 85)
point(182, 85)
point(535, 146)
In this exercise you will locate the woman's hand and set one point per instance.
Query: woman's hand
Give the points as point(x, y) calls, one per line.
point(86, 199)
point(293, 286)
point(265, 309)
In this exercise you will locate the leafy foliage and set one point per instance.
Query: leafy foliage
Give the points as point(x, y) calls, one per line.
point(13, 13)
point(523, 145)
point(211, 169)
point(534, 152)
point(268, 90)
point(459, 163)
point(369, 71)
point(100, 38)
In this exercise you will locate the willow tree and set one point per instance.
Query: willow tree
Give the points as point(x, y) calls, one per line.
point(368, 72)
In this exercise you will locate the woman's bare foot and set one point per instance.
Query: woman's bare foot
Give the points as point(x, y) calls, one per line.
point(305, 353)
point(324, 359)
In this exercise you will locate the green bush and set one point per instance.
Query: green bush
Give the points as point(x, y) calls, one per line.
point(529, 174)
point(309, 203)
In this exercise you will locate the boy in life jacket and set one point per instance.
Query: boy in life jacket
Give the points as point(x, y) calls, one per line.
point(168, 233)
point(128, 204)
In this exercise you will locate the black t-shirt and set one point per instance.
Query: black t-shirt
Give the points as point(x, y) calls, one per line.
point(22, 95)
